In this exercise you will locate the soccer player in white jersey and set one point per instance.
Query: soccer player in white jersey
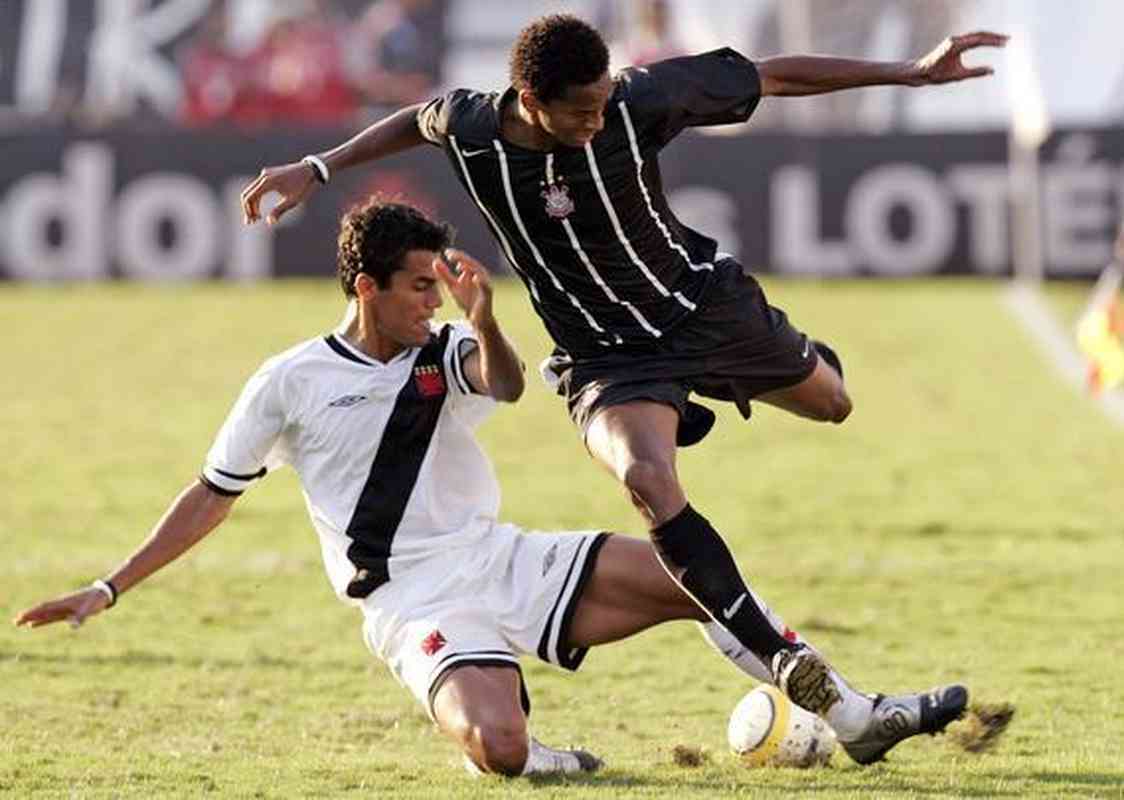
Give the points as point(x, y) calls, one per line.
point(377, 419)
point(644, 311)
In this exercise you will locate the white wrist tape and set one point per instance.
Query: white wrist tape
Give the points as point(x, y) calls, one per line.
point(319, 168)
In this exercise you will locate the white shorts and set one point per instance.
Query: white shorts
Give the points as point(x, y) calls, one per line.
point(483, 605)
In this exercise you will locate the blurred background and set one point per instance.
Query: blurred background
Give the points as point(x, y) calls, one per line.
point(965, 523)
point(128, 128)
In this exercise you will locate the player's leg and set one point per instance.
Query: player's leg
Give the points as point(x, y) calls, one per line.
point(821, 396)
point(480, 708)
point(636, 442)
point(630, 591)
point(627, 592)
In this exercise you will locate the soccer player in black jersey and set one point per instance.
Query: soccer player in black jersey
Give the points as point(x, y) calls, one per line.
point(642, 309)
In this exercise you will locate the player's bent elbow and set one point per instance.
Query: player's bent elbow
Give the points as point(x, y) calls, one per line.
point(508, 391)
point(841, 408)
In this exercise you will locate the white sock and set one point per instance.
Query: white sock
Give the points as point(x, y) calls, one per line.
point(848, 718)
point(543, 760)
point(738, 654)
point(742, 657)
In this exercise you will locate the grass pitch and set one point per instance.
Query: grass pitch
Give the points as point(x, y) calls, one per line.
point(963, 524)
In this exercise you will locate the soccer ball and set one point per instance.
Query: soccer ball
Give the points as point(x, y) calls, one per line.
point(768, 729)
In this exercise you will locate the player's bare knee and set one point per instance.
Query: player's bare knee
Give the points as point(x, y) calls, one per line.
point(499, 746)
point(649, 479)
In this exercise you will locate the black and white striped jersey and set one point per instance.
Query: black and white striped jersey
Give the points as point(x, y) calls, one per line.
point(385, 452)
point(589, 229)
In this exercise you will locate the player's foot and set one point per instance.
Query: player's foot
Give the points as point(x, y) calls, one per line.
point(805, 677)
point(899, 717)
point(587, 761)
point(557, 761)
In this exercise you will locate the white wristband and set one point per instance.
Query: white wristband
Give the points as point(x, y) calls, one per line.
point(106, 588)
point(319, 168)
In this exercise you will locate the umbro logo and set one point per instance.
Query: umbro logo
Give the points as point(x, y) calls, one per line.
point(347, 401)
point(549, 559)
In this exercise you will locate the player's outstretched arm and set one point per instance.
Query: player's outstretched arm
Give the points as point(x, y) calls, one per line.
point(297, 181)
point(190, 517)
point(803, 75)
point(494, 368)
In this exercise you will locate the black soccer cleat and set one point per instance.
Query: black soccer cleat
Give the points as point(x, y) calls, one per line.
point(896, 718)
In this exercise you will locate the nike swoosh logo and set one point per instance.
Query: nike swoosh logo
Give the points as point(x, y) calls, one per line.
point(471, 153)
point(728, 613)
point(807, 347)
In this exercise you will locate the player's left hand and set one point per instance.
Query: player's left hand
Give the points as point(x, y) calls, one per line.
point(471, 287)
point(943, 64)
point(74, 608)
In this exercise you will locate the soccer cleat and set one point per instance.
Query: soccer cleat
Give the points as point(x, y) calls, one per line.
point(805, 678)
point(587, 761)
point(895, 719)
point(549, 760)
point(470, 767)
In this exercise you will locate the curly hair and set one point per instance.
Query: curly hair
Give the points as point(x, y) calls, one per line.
point(555, 52)
point(376, 235)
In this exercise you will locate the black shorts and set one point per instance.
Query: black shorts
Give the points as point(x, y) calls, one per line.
point(734, 347)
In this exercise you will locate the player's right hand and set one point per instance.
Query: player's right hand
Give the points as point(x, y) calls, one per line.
point(294, 182)
point(75, 607)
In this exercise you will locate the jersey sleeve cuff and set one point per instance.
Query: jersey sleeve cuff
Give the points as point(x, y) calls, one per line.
point(226, 483)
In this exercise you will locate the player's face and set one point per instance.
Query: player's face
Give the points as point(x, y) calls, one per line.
point(404, 309)
point(579, 114)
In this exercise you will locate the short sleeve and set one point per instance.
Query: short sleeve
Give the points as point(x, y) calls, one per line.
point(243, 449)
point(466, 114)
point(433, 120)
point(470, 404)
point(716, 88)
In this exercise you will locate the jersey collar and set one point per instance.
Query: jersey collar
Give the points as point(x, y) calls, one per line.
point(343, 348)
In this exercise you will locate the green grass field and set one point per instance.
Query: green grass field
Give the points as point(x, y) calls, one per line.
point(963, 524)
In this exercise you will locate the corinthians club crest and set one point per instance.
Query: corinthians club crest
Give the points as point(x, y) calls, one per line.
point(559, 205)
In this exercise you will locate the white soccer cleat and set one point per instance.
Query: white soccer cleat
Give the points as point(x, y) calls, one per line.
point(897, 718)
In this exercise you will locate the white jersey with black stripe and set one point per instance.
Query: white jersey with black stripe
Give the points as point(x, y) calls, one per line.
point(330, 411)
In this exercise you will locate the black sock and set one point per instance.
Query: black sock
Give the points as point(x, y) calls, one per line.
point(689, 543)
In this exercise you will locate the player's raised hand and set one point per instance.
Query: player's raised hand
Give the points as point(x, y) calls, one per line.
point(294, 182)
point(75, 607)
point(943, 64)
point(470, 286)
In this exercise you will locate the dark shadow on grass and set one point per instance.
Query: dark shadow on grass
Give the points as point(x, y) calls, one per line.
point(146, 659)
point(798, 782)
point(1091, 784)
